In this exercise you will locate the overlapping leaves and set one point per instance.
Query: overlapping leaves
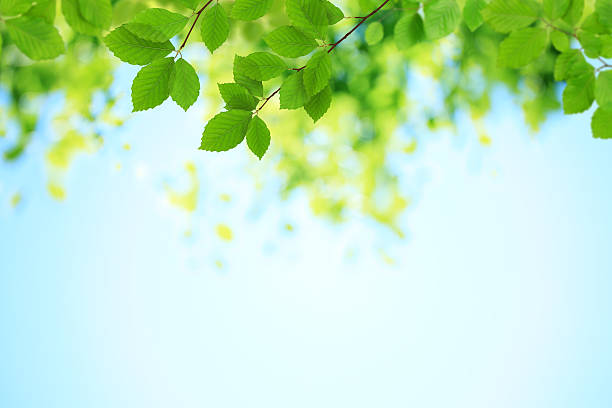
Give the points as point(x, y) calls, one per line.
point(533, 29)
point(533, 26)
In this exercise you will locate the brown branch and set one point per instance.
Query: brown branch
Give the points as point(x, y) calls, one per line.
point(267, 99)
point(333, 46)
point(363, 20)
point(198, 14)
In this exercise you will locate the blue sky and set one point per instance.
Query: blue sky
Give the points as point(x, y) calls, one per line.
point(498, 297)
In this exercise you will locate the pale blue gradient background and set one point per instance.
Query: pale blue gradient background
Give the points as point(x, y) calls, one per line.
point(499, 297)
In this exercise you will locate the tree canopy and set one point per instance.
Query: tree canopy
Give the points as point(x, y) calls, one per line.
point(277, 72)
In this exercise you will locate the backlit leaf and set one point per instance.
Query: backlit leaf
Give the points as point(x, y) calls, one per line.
point(289, 41)
point(156, 24)
point(258, 137)
point(215, 27)
point(151, 86)
point(135, 50)
point(250, 9)
point(35, 37)
point(184, 84)
point(225, 131)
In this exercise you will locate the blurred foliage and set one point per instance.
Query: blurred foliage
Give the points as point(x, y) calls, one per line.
point(343, 162)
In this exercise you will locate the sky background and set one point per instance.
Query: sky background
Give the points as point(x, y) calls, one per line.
point(499, 296)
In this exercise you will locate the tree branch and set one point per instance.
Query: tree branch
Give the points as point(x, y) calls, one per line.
point(198, 14)
point(333, 46)
point(363, 20)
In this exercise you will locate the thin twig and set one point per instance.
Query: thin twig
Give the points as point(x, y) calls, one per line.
point(197, 14)
point(333, 46)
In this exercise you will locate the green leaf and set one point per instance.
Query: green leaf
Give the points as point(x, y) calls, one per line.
point(561, 41)
point(522, 47)
point(603, 90)
point(571, 64)
point(192, 4)
point(258, 137)
point(374, 33)
point(184, 84)
point(604, 11)
point(593, 25)
point(574, 13)
point(215, 27)
point(600, 124)
point(472, 13)
point(250, 9)
point(554, 9)
point(606, 46)
point(225, 131)
point(237, 97)
point(261, 66)
point(317, 73)
point(70, 9)
point(579, 94)
point(319, 104)
point(97, 12)
point(292, 92)
point(135, 50)
point(508, 15)
point(590, 43)
point(334, 14)
point(441, 18)
point(14, 7)
point(291, 42)
point(409, 31)
point(156, 24)
point(151, 87)
point(253, 86)
point(35, 37)
point(44, 9)
point(310, 15)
